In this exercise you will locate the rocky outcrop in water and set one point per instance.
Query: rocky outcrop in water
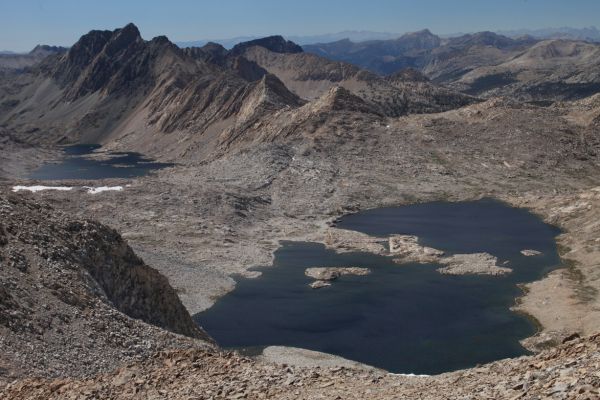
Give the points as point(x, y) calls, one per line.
point(406, 248)
point(530, 252)
point(343, 241)
point(324, 275)
point(472, 264)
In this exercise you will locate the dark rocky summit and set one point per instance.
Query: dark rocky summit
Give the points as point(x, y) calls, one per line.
point(276, 44)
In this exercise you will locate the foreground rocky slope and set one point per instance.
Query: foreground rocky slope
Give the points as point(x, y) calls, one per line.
point(75, 299)
point(567, 372)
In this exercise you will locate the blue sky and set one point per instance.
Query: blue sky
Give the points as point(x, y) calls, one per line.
point(25, 23)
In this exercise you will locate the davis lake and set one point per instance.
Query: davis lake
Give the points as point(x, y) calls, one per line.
point(83, 162)
point(405, 318)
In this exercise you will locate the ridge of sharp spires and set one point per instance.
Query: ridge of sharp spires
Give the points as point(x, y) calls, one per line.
point(130, 29)
point(125, 36)
point(93, 42)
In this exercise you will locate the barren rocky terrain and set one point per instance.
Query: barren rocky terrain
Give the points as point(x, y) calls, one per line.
point(484, 64)
point(271, 144)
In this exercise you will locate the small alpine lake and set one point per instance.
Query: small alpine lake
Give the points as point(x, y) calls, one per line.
point(86, 162)
point(406, 318)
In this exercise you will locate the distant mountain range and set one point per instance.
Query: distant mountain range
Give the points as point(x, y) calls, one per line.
point(355, 36)
point(482, 64)
point(590, 34)
point(11, 60)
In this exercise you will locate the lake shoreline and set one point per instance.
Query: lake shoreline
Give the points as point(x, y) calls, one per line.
point(199, 288)
point(338, 251)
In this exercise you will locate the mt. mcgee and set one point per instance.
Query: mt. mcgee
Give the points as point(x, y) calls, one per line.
point(115, 87)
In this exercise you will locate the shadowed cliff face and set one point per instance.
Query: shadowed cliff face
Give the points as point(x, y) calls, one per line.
point(60, 275)
point(36, 240)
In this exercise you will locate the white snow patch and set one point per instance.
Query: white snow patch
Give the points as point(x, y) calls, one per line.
point(94, 190)
point(39, 188)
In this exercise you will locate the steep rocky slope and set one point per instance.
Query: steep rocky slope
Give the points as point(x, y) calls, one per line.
point(75, 299)
point(310, 76)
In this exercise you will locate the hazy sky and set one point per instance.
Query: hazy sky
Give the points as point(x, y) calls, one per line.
point(25, 23)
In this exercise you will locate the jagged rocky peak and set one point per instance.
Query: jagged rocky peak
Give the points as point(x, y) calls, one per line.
point(88, 47)
point(267, 95)
point(276, 44)
point(248, 70)
point(422, 39)
point(123, 38)
point(272, 87)
point(94, 42)
point(339, 98)
point(110, 61)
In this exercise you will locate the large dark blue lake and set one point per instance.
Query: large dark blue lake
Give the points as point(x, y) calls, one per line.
point(83, 162)
point(403, 318)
